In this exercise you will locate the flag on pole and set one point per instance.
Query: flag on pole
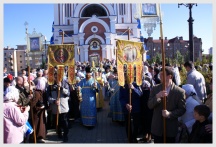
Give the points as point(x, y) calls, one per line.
point(61, 55)
point(129, 53)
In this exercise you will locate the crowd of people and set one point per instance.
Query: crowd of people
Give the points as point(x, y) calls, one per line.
point(182, 112)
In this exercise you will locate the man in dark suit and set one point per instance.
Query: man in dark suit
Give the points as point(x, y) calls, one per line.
point(175, 107)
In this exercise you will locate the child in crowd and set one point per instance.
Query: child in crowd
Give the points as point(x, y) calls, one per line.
point(199, 133)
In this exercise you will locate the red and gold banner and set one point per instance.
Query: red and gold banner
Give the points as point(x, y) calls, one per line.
point(71, 74)
point(120, 70)
point(130, 53)
point(139, 73)
point(130, 73)
point(61, 55)
point(60, 72)
point(51, 71)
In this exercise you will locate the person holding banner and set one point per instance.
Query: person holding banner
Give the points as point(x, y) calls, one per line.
point(63, 105)
point(88, 111)
point(14, 117)
point(175, 104)
point(116, 112)
point(134, 108)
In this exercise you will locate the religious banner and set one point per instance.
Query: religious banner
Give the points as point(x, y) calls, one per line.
point(120, 70)
point(61, 55)
point(139, 73)
point(51, 71)
point(129, 53)
point(71, 74)
point(130, 73)
point(60, 72)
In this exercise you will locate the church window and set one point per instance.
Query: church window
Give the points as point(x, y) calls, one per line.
point(121, 9)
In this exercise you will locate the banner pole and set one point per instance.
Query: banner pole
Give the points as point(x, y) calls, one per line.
point(129, 113)
point(30, 92)
point(57, 114)
point(164, 77)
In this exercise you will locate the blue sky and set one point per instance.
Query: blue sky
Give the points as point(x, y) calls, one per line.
point(41, 16)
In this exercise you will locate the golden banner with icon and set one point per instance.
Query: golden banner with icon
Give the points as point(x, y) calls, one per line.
point(129, 57)
point(61, 55)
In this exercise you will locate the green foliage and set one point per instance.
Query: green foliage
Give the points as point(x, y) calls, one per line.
point(183, 75)
point(179, 59)
point(208, 76)
point(210, 59)
point(186, 56)
point(197, 62)
point(158, 58)
point(204, 60)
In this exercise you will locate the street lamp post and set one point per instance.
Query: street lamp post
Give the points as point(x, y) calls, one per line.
point(42, 63)
point(45, 48)
point(190, 21)
point(45, 51)
point(26, 31)
point(42, 57)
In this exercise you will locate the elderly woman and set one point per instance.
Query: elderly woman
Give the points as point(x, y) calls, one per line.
point(14, 118)
point(39, 103)
point(191, 101)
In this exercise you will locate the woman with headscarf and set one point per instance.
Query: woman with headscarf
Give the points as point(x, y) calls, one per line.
point(14, 118)
point(187, 119)
point(39, 103)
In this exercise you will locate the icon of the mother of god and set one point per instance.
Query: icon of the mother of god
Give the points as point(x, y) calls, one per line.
point(130, 54)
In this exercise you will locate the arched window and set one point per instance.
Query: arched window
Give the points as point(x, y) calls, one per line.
point(93, 9)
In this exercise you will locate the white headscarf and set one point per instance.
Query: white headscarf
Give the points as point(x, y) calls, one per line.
point(145, 69)
point(41, 84)
point(189, 89)
point(11, 94)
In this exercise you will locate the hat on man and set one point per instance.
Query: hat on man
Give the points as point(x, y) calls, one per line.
point(88, 69)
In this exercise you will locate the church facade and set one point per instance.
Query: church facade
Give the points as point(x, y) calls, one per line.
point(94, 27)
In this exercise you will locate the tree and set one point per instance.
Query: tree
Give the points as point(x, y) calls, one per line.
point(210, 59)
point(158, 58)
point(204, 60)
point(197, 62)
point(186, 56)
point(179, 58)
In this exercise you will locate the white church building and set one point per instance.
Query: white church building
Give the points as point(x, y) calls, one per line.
point(94, 27)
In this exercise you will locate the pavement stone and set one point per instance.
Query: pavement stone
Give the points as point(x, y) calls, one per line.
point(106, 131)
